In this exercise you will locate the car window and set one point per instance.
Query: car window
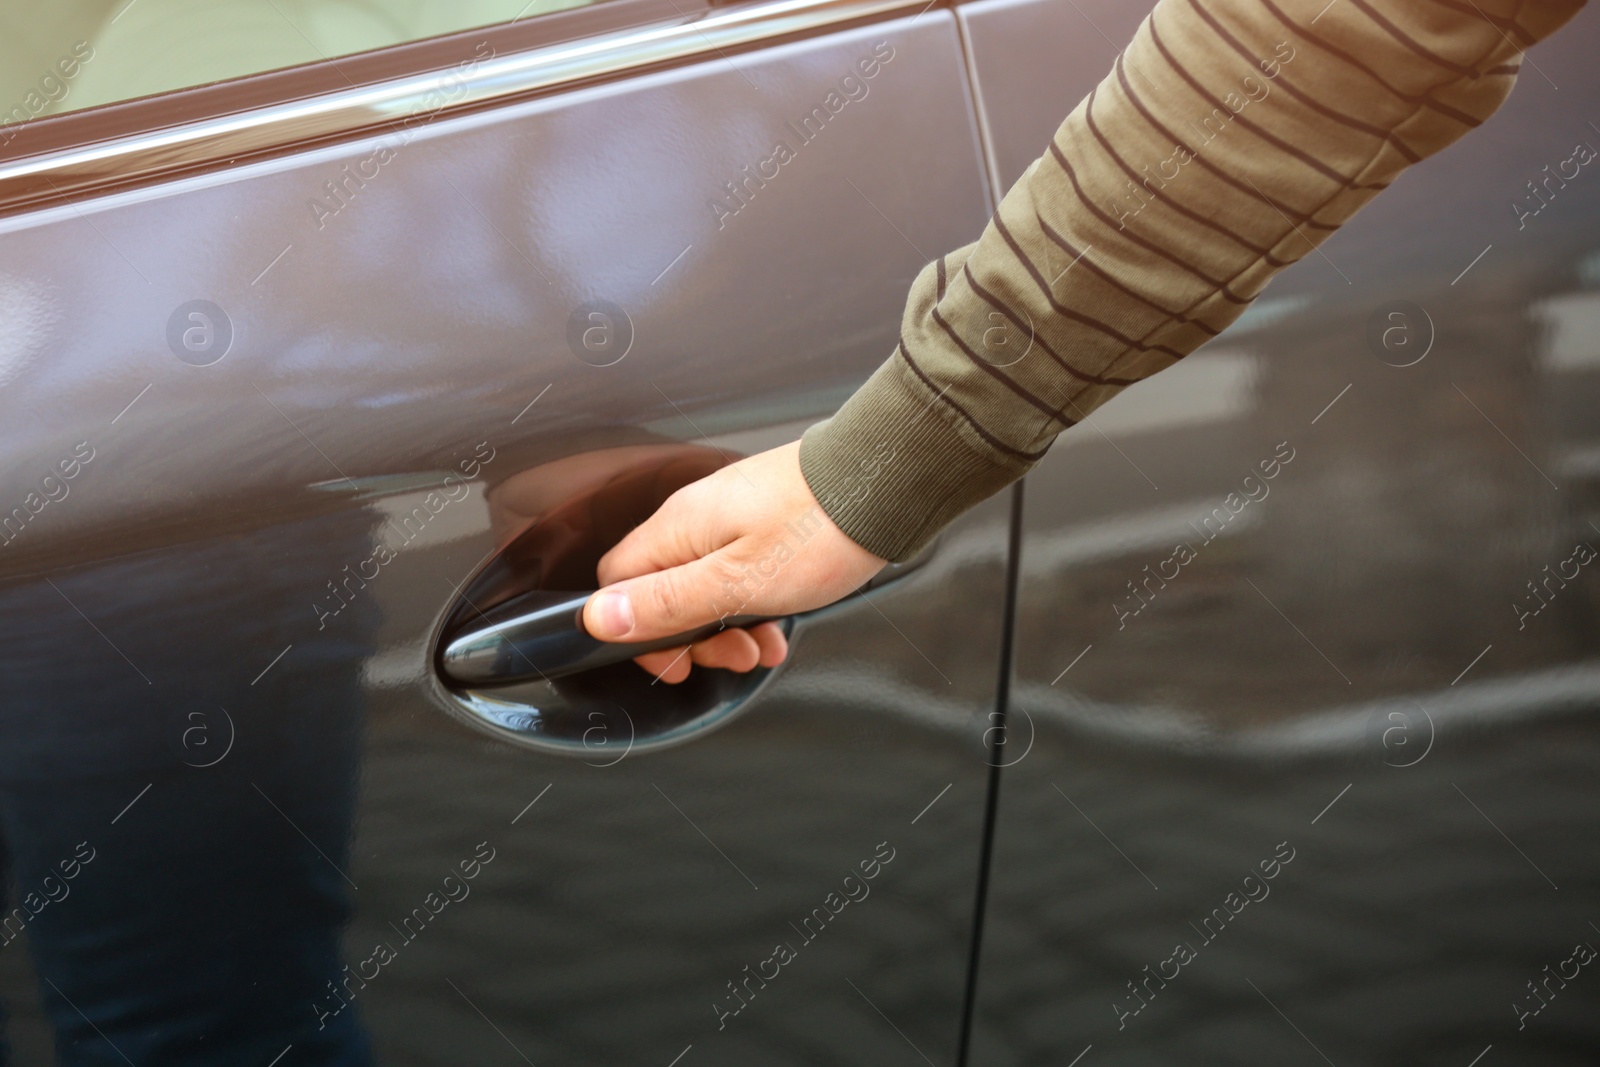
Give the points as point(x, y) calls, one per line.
point(65, 56)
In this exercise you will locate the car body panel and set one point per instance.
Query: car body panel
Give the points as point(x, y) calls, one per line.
point(191, 663)
point(1342, 671)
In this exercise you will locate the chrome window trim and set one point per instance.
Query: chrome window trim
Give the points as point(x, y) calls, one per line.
point(209, 142)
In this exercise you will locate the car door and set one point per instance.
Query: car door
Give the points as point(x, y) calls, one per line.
point(1300, 755)
point(304, 372)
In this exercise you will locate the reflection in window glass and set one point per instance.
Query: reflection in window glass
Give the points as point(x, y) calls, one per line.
point(71, 54)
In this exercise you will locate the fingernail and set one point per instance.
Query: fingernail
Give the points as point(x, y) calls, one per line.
point(613, 613)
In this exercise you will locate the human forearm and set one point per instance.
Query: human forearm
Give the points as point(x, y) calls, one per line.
point(1231, 138)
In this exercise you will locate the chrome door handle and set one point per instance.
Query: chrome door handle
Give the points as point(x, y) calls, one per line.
point(539, 636)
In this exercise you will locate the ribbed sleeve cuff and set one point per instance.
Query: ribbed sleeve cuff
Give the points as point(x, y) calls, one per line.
point(896, 464)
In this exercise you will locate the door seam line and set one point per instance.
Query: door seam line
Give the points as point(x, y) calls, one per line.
point(992, 794)
point(990, 162)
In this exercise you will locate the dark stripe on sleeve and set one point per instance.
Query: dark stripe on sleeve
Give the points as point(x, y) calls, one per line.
point(994, 372)
point(943, 395)
point(1068, 313)
point(1106, 276)
point(1094, 128)
point(1297, 216)
point(1219, 285)
point(1283, 83)
point(1000, 306)
point(1334, 50)
point(1277, 142)
point(1501, 24)
point(1410, 42)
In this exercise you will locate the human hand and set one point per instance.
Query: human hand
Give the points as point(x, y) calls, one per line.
point(749, 539)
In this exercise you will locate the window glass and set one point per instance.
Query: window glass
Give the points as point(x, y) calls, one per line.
point(70, 54)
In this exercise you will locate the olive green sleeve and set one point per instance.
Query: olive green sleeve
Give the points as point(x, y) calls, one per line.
point(1229, 140)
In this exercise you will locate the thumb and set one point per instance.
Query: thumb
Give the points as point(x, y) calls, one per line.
point(660, 604)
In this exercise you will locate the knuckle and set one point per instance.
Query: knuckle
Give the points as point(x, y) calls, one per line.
point(666, 597)
point(719, 572)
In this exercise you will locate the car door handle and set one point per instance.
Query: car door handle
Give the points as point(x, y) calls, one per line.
point(540, 636)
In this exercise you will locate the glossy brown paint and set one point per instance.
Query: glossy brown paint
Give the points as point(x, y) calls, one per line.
point(79, 128)
point(202, 560)
point(396, 91)
point(1340, 670)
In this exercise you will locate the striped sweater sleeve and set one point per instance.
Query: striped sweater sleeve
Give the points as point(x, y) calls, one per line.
point(1227, 142)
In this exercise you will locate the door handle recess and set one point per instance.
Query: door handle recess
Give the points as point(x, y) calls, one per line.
point(540, 636)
